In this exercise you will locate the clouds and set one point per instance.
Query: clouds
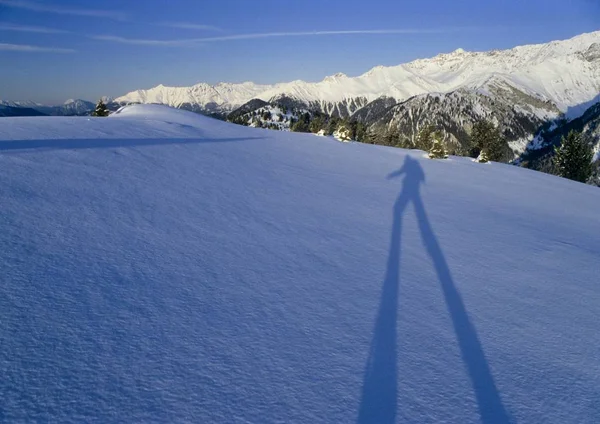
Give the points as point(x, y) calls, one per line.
point(5, 26)
point(190, 26)
point(47, 8)
point(234, 37)
point(218, 36)
point(135, 41)
point(32, 49)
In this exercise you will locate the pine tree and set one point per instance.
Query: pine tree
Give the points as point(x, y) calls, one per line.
point(573, 159)
point(317, 124)
point(391, 136)
point(487, 138)
point(438, 149)
point(101, 109)
point(483, 157)
point(360, 132)
point(595, 177)
point(302, 124)
point(343, 133)
point(332, 125)
point(373, 136)
point(424, 139)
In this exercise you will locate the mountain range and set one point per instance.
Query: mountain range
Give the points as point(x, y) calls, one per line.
point(72, 107)
point(524, 90)
point(566, 73)
point(521, 89)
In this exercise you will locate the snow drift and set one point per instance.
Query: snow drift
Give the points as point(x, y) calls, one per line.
point(162, 266)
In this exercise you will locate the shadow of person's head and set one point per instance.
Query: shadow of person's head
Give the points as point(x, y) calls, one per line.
point(412, 171)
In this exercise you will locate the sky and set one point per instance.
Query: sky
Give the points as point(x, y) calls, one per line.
point(51, 51)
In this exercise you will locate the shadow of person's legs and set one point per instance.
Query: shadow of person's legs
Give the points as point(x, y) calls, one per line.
point(380, 391)
point(488, 398)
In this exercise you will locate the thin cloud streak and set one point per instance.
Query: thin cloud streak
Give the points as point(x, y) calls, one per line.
point(33, 49)
point(191, 41)
point(5, 26)
point(190, 26)
point(139, 42)
point(38, 7)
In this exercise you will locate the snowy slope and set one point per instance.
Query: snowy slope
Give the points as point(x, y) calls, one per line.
point(564, 72)
point(161, 266)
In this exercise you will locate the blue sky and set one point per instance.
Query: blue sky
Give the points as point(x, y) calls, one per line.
point(59, 49)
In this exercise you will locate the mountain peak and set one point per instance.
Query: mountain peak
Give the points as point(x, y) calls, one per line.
point(335, 77)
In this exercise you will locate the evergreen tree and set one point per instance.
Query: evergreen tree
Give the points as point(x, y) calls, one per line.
point(573, 159)
point(486, 137)
point(483, 157)
point(391, 137)
point(303, 123)
point(101, 109)
point(595, 177)
point(361, 132)
point(266, 115)
point(373, 136)
point(438, 149)
point(343, 133)
point(404, 142)
point(424, 139)
point(332, 125)
point(317, 124)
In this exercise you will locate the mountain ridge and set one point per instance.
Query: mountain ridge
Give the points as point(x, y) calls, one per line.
point(71, 107)
point(566, 72)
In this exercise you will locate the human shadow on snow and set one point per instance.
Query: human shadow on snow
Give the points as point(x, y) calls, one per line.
point(77, 144)
point(380, 388)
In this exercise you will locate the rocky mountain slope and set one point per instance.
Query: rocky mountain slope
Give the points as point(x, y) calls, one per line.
point(539, 152)
point(517, 113)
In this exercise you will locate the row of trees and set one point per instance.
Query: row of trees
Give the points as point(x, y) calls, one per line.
point(572, 159)
point(485, 143)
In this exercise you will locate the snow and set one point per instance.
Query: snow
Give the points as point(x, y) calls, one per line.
point(161, 266)
point(564, 72)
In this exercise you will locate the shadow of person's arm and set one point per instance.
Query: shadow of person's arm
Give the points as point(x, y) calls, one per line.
point(396, 173)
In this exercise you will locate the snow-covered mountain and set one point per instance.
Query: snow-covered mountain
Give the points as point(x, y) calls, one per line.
point(519, 115)
point(161, 266)
point(201, 97)
point(567, 73)
point(72, 107)
point(25, 104)
point(6, 110)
